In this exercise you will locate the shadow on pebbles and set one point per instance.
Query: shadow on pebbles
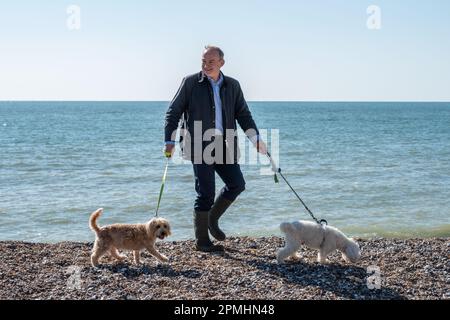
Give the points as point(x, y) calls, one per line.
point(388, 269)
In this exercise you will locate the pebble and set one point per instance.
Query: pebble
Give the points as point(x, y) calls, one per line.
point(408, 269)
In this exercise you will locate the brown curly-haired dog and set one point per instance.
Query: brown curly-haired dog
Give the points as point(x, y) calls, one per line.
point(127, 236)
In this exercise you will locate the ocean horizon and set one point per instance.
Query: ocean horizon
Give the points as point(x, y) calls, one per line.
point(372, 169)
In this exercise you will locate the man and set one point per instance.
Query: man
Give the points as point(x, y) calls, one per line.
point(209, 100)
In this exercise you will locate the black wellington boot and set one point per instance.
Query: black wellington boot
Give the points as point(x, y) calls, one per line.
point(220, 205)
point(202, 242)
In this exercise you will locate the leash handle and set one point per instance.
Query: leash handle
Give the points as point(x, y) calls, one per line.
point(162, 184)
point(275, 169)
point(167, 154)
point(272, 163)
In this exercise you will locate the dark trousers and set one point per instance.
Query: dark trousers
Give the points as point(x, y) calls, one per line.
point(205, 183)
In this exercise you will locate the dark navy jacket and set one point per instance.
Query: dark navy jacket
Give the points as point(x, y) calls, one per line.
point(194, 101)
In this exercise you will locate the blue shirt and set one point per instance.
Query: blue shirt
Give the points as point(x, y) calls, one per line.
point(217, 101)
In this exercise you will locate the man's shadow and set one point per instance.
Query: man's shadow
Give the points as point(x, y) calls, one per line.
point(346, 281)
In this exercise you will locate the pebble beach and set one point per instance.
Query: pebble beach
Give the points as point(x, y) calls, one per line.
point(388, 269)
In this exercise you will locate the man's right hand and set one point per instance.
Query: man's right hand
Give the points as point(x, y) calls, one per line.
point(169, 149)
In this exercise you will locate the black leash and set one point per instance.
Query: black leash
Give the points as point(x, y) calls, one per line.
point(276, 170)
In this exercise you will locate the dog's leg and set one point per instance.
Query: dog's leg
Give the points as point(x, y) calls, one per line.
point(346, 259)
point(323, 253)
point(289, 249)
point(98, 250)
point(156, 254)
point(296, 255)
point(285, 252)
point(328, 246)
point(116, 254)
point(321, 257)
point(137, 256)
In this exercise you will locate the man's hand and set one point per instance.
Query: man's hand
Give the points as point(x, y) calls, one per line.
point(261, 147)
point(169, 149)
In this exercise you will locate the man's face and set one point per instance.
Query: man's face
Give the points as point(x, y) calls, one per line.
point(211, 63)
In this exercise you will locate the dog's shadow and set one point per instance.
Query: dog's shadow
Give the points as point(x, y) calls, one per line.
point(346, 281)
point(164, 270)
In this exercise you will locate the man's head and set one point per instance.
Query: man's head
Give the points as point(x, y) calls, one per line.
point(212, 61)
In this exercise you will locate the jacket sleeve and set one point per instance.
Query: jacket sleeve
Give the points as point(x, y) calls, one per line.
point(244, 116)
point(176, 108)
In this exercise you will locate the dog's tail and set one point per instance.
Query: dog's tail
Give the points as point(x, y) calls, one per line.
point(286, 227)
point(93, 220)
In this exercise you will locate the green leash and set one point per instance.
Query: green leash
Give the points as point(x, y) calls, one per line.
point(162, 183)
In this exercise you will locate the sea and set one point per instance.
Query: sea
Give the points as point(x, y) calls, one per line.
point(372, 169)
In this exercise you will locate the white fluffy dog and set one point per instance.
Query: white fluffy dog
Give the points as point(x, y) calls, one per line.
point(326, 239)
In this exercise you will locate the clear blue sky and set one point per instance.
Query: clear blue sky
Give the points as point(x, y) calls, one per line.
point(278, 50)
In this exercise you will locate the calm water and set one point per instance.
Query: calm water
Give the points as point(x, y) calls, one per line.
point(371, 169)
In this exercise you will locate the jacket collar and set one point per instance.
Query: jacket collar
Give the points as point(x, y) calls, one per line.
point(201, 77)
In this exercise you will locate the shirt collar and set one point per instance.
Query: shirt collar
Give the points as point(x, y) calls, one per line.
point(218, 82)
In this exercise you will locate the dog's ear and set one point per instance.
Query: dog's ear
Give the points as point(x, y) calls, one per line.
point(353, 252)
point(152, 225)
point(167, 227)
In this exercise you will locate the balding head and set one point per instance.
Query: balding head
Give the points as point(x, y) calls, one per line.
point(212, 61)
point(215, 49)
